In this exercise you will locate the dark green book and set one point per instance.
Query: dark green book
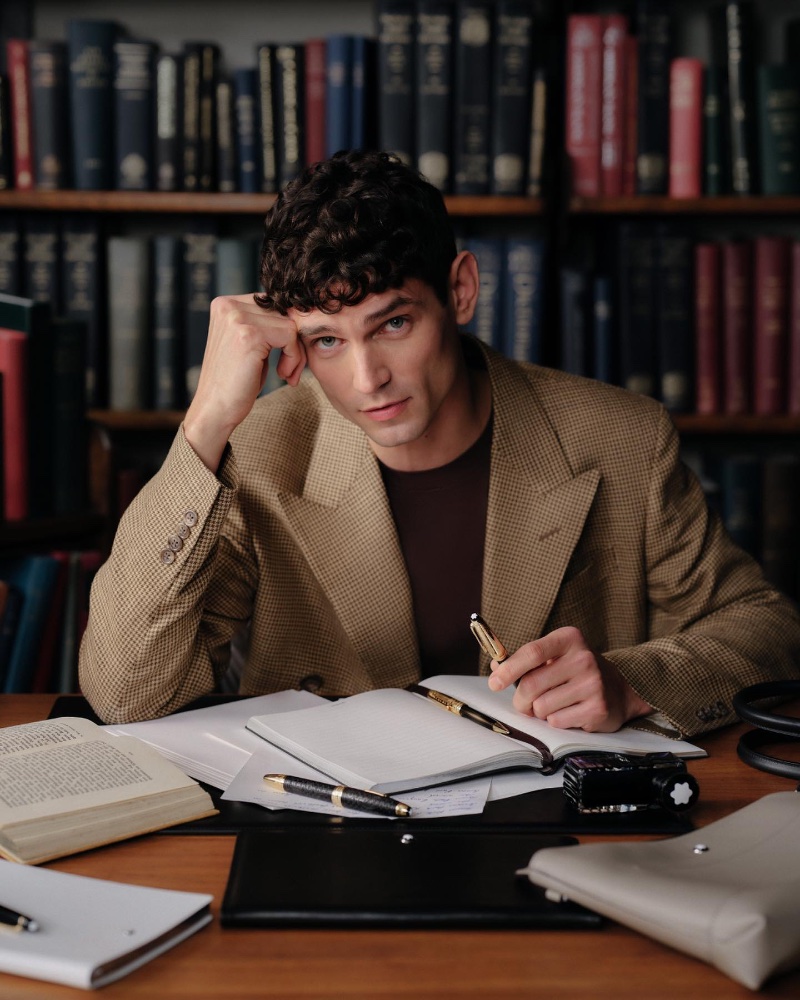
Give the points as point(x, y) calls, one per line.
point(779, 124)
point(654, 31)
point(716, 180)
point(740, 26)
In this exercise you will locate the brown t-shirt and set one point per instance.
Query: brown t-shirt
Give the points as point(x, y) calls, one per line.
point(440, 516)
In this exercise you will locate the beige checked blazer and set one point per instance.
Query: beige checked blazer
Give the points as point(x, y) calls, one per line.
point(592, 521)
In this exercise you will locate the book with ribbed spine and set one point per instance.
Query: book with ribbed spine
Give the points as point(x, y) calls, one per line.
point(434, 91)
point(396, 27)
point(512, 66)
point(472, 97)
point(50, 114)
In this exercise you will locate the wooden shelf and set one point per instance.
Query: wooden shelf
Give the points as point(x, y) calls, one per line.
point(215, 203)
point(694, 423)
point(658, 204)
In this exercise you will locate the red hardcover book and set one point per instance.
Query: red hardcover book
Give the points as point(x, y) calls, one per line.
point(14, 366)
point(737, 326)
point(612, 117)
point(685, 128)
point(584, 89)
point(771, 323)
point(19, 81)
point(315, 99)
point(631, 127)
point(793, 403)
point(708, 323)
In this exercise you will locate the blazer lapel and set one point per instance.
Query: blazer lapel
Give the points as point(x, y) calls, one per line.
point(537, 510)
point(344, 526)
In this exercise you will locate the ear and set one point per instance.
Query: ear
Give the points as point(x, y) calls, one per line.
point(464, 286)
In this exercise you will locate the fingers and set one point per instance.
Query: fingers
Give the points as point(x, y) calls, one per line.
point(533, 655)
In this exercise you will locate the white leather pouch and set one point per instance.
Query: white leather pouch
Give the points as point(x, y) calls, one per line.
point(728, 893)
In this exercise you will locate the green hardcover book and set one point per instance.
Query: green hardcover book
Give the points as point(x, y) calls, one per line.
point(715, 151)
point(779, 124)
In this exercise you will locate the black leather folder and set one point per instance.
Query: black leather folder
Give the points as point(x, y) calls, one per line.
point(377, 878)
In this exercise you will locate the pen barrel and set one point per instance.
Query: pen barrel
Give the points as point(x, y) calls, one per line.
point(308, 789)
point(355, 798)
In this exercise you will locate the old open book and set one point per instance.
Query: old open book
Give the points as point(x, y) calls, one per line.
point(391, 740)
point(66, 785)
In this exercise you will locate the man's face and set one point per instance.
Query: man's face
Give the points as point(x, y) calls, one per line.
point(392, 365)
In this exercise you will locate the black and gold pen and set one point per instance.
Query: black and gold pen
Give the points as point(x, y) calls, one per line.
point(339, 795)
point(487, 639)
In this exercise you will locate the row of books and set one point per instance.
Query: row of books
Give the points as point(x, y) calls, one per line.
point(706, 327)
point(758, 497)
point(44, 603)
point(642, 121)
point(449, 87)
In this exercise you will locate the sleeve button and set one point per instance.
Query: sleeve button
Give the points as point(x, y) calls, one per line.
point(190, 518)
point(183, 531)
point(175, 543)
point(167, 557)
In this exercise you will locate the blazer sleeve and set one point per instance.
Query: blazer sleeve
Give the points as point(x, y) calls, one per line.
point(714, 624)
point(177, 585)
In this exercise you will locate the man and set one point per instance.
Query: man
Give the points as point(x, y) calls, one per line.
point(350, 522)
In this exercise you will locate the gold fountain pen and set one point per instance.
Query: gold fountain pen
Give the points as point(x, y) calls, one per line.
point(487, 639)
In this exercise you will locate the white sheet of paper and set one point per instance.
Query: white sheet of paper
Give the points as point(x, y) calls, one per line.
point(510, 783)
point(461, 799)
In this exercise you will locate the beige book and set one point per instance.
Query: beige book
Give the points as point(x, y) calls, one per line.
point(67, 785)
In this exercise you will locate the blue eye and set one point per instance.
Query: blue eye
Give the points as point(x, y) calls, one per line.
point(326, 342)
point(396, 322)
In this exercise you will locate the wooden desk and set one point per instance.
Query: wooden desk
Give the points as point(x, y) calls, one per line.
point(607, 964)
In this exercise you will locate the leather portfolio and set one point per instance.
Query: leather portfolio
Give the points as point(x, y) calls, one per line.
point(374, 878)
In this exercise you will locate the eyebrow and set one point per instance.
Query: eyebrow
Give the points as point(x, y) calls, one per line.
point(368, 320)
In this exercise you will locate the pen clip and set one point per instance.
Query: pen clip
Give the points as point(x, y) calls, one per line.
point(451, 704)
point(489, 642)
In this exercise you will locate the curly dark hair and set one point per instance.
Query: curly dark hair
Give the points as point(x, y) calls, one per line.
point(357, 223)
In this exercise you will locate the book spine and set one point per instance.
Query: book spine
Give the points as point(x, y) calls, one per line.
point(780, 500)
point(779, 121)
point(583, 100)
point(603, 347)
point(6, 162)
point(91, 71)
point(434, 91)
point(266, 118)
point(314, 100)
point(574, 321)
point(245, 106)
point(190, 118)
point(69, 445)
point(10, 254)
point(237, 266)
point(226, 137)
point(134, 81)
point(338, 92)
point(612, 113)
point(512, 61)
point(207, 154)
point(740, 485)
point(685, 128)
point(637, 327)
point(740, 25)
point(199, 282)
point(771, 315)
point(129, 299)
point(41, 277)
point(737, 326)
point(523, 285)
point(14, 369)
point(675, 337)
point(21, 122)
point(84, 298)
point(168, 367)
point(472, 96)
point(631, 111)
point(715, 156)
point(362, 91)
point(289, 141)
point(168, 158)
point(396, 76)
point(49, 114)
point(793, 404)
point(708, 333)
point(654, 30)
point(487, 321)
point(538, 133)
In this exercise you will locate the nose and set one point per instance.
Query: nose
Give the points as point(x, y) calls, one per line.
point(370, 373)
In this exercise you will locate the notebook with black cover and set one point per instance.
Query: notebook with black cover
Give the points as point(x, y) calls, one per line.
point(345, 877)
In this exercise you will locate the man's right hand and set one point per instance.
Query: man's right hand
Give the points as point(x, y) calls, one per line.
point(235, 364)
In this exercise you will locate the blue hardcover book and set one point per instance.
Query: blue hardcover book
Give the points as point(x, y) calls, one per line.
point(603, 340)
point(472, 97)
point(134, 108)
point(487, 322)
point(83, 297)
point(523, 298)
point(362, 94)
point(91, 72)
point(35, 577)
point(226, 136)
point(434, 91)
point(339, 92)
point(675, 312)
point(511, 96)
point(245, 111)
point(41, 271)
point(575, 321)
point(396, 129)
point(199, 281)
point(50, 114)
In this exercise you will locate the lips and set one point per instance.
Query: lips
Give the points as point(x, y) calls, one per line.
point(388, 412)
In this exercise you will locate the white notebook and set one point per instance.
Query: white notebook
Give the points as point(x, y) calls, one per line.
point(91, 931)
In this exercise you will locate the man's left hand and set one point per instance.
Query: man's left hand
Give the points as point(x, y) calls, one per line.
point(563, 681)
